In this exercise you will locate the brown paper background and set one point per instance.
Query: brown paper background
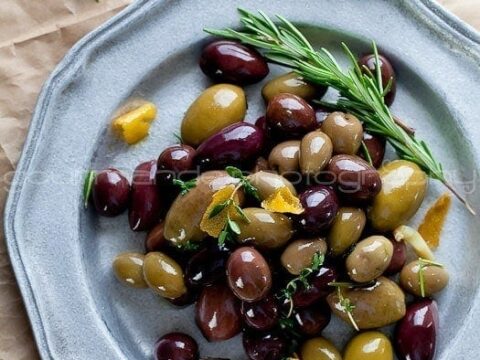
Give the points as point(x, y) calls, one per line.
point(34, 36)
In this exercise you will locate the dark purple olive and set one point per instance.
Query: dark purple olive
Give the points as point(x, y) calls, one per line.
point(386, 70)
point(189, 298)
point(318, 290)
point(176, 346)
point(264, 346)
point(173, 162)
point(218, 313)
point(312, 320)
point(290, 117)
point(145, 202)
point(399, 258)
point(356, 179)
point(231, 62)
point(110, 192)
point(261, 315)
point(320, 205)
point(206, 267)
point(376, 148)
point(416, 333)
point(155, 239)
point(237, 144)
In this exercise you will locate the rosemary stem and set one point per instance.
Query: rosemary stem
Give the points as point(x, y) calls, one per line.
point(459, 196)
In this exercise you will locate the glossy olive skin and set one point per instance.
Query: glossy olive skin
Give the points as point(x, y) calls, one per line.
point(346, 229)
point(145, 202)
point(173, 162)
point(404, 186)
point(215, 108)
point(345, 131)
point(232, 62)
point(298, 255)
point(284, 157)
point(386, 70)
point(268, 346)
point(376, 148)
point(267, 183)
point(435, 278)
point(237, 145)
point(248, 274)
point(262, 315)
point(320, 205)
point(319, 348)
point(369, 259)
point(110, 192)
point(370, 345)
point(399, 258)
point(416, 333)
point(319, 289)
point(266, 229)
point(354, 177)
point(290, 117)
point(128, 269)
point(155, 239)
point(312, 320)
point(206, 267)
point(315, 152)
point(176, 346)
point(164, 275)
point(218, 313)
point(261, 164)
point(291, 83)
point(379, 305)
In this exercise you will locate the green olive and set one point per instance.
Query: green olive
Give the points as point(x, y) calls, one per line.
point(267, 183)
point(298, 255)
point(291, 83)
point(404, 186)
point(369, 259)
point(128, 268)
point(370, 345)
point(381, 304)
point(315, 152)
point(164, 275)
point(319, 348)
point(435, 278)
point(284, 157)
point(266, 230)
point(216, 108)
point(345, 131)
point(346, 229)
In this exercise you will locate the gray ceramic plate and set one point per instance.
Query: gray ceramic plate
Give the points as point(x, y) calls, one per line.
point(61, 253)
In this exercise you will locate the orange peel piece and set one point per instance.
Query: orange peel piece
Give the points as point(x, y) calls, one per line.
point(283, 201)
point(213, 226)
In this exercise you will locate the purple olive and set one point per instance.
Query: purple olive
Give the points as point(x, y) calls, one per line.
point(318, 290)
point(267, 346)
point(145, 202)
point(237, 144)
point(110, 192)
point(320, 205)
point(155, 239)
point(206, 267)
point(312, 320)
point(189, 298)
point(176, 346)
point(386, 70)
point(173, 162)
point(399, 258)
point(218, 313)
point(231, 62)
point(376, 148)
point(261, 315)
point(416, 333)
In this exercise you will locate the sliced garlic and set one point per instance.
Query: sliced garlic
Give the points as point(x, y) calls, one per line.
point(413, 237)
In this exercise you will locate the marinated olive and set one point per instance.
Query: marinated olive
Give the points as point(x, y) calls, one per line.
point(206, 267)
point(218, 313)
point(155, 239)
point(435, 278)
point(173, 162)
point(176, 346)
point(231, 62)
point(399, 258)
point(145, 202)
point(261, 164)
point(284, 157)
point(386, 71)
point(404, 186)
point(262, 315)
point(312, 320)
point(267, 346)
point(299, 254)
point(128, 268)
point(416, 333)
point(319, 349)
point(345, 131)
point(354, 177)
point(320, 207)
point(318, 288)
point(315, 152)
point(164, 275)
point(381, 304)
point(346, 229)
point(187, 299)
point(370, 345)
point(289, 116)
point(267, 183)
point(216, 108)
point(376, 148)
point(291, 83)
point(369, 259)
point(110, 192)
point(237, 144)
point(266, 230)
point(248, 274)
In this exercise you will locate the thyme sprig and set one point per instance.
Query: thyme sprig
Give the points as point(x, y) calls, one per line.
point(246, 184)
point(421, 276)
point(345, 302)
point(185, 186)
point(361, 92)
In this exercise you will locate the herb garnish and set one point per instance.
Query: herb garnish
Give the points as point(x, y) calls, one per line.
point(421, 278)
point(188, 246)
point(88, 186)
point(247, 185)
point(185, 186)
point(366, 153)
point(178, 137)
point(345, 302)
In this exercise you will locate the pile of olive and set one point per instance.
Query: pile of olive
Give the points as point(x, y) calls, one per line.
point(350, 207)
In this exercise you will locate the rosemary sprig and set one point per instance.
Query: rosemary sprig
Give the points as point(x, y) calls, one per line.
point(185, 186)
point(361, 93)
point(88, 186)
point(421, 278)
point(366, 153)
